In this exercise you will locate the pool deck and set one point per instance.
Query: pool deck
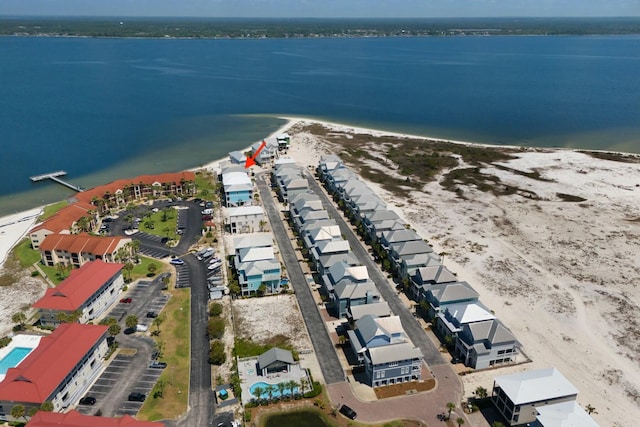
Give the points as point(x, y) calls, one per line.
point(249, 376)
point(21, 340)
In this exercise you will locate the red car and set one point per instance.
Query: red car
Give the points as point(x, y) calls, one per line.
point(126, 300)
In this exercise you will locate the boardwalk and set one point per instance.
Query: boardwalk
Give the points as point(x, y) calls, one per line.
point(54, 177)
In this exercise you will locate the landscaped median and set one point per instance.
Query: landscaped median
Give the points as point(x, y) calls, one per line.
point(169, 398)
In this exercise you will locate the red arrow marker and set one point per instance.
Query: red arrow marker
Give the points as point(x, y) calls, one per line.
point(252, 160)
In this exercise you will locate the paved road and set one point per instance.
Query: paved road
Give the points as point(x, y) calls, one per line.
point(327, 358)
point(201, 407)
point(411, 326)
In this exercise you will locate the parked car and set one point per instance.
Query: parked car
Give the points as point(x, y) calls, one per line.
point(158, 365)
point(348, 412)
point(214, 259)
point(142, 328)
point(152, 314)
point(126, 300)
point(88, 400)
point(177, 261)
point(214, 266)
point(136, 397)
point(208, 254)
point(207, 211)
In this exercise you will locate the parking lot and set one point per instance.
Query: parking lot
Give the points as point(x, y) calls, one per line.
point(182, 276)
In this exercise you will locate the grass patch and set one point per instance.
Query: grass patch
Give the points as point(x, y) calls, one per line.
point(454, 179)
point(26, 255)
point(154, 224)
point(141, 270)
point(52, 209)
point(616, 157)
point(52, 274)
point(174, 381)
point(206, 185)
point(247, 348)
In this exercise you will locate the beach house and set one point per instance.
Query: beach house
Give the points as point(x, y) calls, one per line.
point(238, 189)
point(59, 370)
point(267, 154)
point(539, 398)
point(485, 344)
point(245, 219)
point(88, 291)
point(439, 296)
point(423, 277)
point(255, 263)
point(71, 219)
point(78, 249)
point(386, 352)
point(237, 158)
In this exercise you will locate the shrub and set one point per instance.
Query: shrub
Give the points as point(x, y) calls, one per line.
point(35, 273)
point(215, 310)
point(317, 389)
point(215, 328)
point(4, 341)
point(217, 355)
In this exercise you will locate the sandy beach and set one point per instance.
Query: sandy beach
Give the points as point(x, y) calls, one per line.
point(562, 274)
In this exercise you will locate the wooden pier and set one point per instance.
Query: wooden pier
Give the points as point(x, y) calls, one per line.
point(54, 177)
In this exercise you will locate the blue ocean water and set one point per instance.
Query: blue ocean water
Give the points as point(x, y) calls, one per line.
point(107, 108)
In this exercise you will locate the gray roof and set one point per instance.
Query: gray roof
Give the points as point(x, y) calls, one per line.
point(378, 309)
point(434, 274)
point(304, 196)
point(328, 260)
point(404, 235)
point(346, 289)
point(309, 215)
point(412, 247)
point(493, 331)
point(273, 355)
point(452, 292)
point(382, 215)
point(393, 353)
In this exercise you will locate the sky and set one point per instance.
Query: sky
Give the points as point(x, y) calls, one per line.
point(321, 8)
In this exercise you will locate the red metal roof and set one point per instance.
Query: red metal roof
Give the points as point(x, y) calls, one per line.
point(65, 217)
point(76, 419)
point(120, 184)
point(36, 378)
point(81, 243)
point(79, 286)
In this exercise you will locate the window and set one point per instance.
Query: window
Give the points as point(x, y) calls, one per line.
point(393, 364)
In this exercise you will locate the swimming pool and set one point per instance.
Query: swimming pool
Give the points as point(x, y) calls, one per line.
point(13, 358)
point(275, 393)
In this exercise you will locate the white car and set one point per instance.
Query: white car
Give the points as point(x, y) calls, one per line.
point(215, 265)
point(142, 328)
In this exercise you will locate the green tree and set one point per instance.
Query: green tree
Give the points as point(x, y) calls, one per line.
point(460, 421)
point(270, 389)
point(217, 355)
point(481, 392)
point(450, 407)
point(157, 322)
point(160, 348)
point(47, 406)
point(32, 411)
point(281, 388)
point(291, 385)
point(590, 409)
point(127, 268)
point(152, 267)
point(17, 411)
point(114, 329)
point(84, 224)
point(257, 392)
point(19, 318)
point(131, 321)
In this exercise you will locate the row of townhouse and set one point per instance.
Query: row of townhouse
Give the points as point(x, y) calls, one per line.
point(71, 219)
point(77, 249)
point(382, 346)
point(479, 339)
point(289, 179)
point(256, 264)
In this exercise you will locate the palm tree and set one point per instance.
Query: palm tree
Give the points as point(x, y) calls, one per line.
point(481, 392)
point(270, 389)
point(304, 382)
point(450, 407)
point(460, 421)
point(291, 385)
point(157, 322)
point(131, 321)
point(114, 329)
point(47, 406)
point(590, 409)
point(257, 392)
point(281, 388)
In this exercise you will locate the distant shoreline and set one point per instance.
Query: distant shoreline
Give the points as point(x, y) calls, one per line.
point(300, 28)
